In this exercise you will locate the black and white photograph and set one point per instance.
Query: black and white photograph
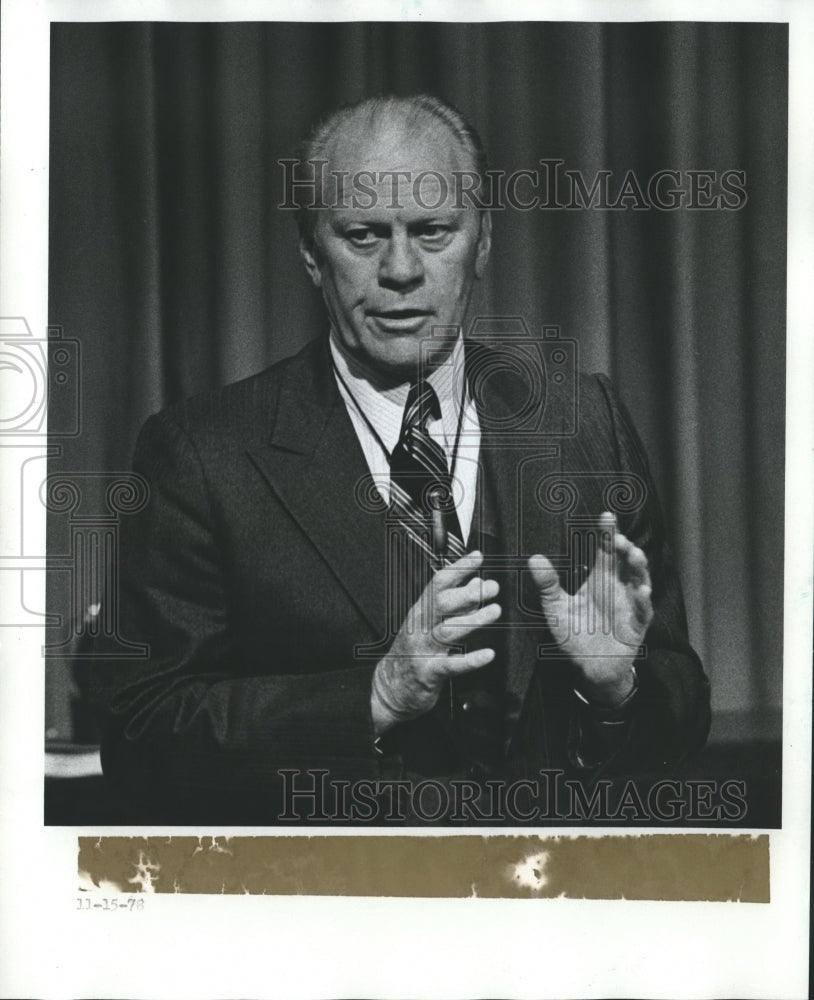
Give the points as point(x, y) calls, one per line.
point(313, 276)
point(407, 485)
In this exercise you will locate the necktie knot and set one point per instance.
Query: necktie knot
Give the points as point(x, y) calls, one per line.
point(421, 491)
point(421, 407)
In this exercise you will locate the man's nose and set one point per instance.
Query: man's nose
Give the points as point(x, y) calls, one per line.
point(401, 266)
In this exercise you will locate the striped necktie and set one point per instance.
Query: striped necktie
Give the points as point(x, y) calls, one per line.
point(421, 494)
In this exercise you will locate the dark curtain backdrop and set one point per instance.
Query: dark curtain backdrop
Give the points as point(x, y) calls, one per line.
point(172, 266)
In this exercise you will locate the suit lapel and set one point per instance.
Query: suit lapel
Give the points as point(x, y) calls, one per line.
point(315, 465)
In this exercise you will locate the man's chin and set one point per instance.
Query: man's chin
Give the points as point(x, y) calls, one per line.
point(401, 356)
point(395, 370)
point(406, 366)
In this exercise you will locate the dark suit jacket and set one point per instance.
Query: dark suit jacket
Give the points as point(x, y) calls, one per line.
point(257, 570)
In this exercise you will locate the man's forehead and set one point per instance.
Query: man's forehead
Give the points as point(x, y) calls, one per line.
point(395, 146)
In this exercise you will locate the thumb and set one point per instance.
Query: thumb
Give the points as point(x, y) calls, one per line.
point(545, 578)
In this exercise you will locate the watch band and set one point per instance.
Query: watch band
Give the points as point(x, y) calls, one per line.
point(615, 713)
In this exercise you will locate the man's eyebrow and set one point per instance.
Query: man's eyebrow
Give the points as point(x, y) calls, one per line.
point(359, 217)
point(384, 213)
point(441, 219)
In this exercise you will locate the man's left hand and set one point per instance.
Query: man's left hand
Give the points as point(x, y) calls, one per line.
point(601, 626)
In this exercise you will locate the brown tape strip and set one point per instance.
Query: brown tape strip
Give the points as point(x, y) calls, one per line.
point(716, 867)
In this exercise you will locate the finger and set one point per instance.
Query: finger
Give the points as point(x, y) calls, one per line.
point(622, 544)
point(452, 630)
point(630, 561)
point(598, 587)
point(632, 565)
point(545, 578)
point(643, 605)
point(459, 600)
point(456, 573)
point(463, 663)
point(607, 530)
point(639, 568)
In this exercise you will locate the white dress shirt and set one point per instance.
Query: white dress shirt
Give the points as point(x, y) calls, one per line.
point(458, 433)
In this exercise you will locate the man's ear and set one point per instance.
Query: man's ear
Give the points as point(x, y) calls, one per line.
point(484, 243)
point(309, 254)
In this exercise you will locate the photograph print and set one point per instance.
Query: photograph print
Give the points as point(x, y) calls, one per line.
point(417, 454)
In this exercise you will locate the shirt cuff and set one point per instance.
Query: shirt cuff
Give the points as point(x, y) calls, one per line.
point(601, 731)
point(615, 713)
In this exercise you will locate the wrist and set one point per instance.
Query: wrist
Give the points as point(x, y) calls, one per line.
point(611, 695)
point(382, 712)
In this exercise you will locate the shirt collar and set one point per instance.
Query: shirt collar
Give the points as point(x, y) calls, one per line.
point(384, 406)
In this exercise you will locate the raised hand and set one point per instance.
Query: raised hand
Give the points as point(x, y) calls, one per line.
point(408, 679)
point(601, 626)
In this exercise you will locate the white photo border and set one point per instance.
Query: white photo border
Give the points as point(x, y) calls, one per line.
point(191, 946)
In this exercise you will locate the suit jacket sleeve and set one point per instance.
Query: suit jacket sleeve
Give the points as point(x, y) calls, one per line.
point(192, 735)
point(670, 715)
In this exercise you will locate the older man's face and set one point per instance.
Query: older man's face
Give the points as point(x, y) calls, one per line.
point(389, 275)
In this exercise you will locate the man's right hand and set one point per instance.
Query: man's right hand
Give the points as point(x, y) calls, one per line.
point(408, 680)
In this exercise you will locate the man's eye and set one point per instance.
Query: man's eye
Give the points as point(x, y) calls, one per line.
point(360, 237)
point(433, 233)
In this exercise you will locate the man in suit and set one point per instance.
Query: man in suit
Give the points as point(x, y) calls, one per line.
point(357, 566)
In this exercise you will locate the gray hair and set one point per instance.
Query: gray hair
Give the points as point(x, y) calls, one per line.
point(415, 113)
